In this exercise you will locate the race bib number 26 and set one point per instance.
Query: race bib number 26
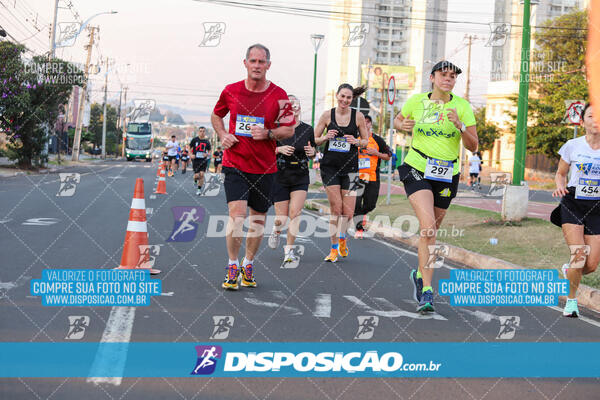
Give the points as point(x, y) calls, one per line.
point(243, 123)
point(439, 170)
point(588, 189)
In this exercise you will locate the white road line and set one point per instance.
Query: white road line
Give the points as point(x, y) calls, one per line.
point(392, 313)
point(118, 330)
point(255, 302)
point(322, 305)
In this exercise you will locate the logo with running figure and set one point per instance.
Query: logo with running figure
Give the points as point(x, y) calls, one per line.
point(366, 327)
point(68, 184)
point(148, 254)
point(186, 223)
point(584, 167)
point(77, 326)
point(499, 32)
point(357, 34)
point(437, 254)
point(223, 324)
point(433, 112)
point(212, 185)
point(207, 359)
point(508, 327)
point(212, 34)
point(579, 253)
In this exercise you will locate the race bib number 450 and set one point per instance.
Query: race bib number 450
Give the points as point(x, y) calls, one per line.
point(439, 170)
point(339, 144)
point(244, 122)
point(588, 189)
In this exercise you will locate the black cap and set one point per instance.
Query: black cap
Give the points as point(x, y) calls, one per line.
point(445, 65)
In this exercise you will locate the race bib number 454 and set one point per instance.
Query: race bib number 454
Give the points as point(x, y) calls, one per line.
point(243, 123)
point(588, 189)
point(439, 170)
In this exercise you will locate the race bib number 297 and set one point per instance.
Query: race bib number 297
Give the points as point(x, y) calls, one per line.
point(439, 170)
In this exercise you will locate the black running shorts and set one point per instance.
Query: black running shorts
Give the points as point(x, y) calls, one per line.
point(414, 180)
point(580, 212)
point(199, 165)
point(254, 188)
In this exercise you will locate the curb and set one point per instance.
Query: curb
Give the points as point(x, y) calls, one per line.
point(586, 295)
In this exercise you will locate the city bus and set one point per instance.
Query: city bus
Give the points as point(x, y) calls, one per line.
point(138, 141)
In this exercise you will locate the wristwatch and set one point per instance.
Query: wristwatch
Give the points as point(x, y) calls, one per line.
point(463, 128)
point(270, 134)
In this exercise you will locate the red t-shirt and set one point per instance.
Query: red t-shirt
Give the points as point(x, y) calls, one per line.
point(269, 108)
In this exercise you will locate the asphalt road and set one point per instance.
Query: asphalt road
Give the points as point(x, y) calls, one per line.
point(314, 302)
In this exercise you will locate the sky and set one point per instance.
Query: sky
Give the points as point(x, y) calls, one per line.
point(155, 45)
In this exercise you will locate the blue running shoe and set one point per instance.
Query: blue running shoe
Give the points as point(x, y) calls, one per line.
point(426, 302)
point(417, 284)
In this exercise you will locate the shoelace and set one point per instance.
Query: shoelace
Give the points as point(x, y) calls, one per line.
point(248, 272)
point(232, 272)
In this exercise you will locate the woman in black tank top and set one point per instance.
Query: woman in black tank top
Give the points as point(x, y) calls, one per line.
point(346, 131)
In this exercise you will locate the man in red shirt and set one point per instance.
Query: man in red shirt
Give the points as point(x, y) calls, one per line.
point(260, 113)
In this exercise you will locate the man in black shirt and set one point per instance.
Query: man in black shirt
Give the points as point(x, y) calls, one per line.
point(218, 159)
point(199, 152)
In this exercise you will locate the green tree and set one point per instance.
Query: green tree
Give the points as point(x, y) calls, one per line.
point(31, 92)
point(95, 128)
point(487, 132)
point(557, 74)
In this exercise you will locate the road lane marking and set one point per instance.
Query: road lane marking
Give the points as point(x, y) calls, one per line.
point(395, 313)
point(118, 330)
point(322, 305)
point(269, 304)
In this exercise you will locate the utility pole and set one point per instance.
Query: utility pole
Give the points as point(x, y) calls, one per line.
point(104, 112)
point(463, 151)
point(77, 138)
point(468, 85)
point(53, 31)
point(124, 123)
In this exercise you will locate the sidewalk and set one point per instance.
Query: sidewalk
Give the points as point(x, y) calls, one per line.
point(468, 198)
point(8, 168)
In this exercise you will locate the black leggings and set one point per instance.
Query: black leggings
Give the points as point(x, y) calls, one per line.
point(367, 202)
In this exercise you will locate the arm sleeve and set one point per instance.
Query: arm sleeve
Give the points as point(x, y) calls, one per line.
point(221, 108)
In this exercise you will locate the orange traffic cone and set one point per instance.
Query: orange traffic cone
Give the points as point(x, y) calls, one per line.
point(136, 252)
point(161, 187)
point(160, 166)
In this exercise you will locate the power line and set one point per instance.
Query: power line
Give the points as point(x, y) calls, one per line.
point(343, 14)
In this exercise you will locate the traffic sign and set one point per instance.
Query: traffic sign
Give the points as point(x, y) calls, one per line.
point(574, 112)
point(391, 90)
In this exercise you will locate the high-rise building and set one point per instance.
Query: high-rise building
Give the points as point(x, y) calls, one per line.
point(396, 32)
point(506, 62)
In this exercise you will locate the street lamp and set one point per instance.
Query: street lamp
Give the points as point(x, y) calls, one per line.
point(316, 40)
point(81, 28)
